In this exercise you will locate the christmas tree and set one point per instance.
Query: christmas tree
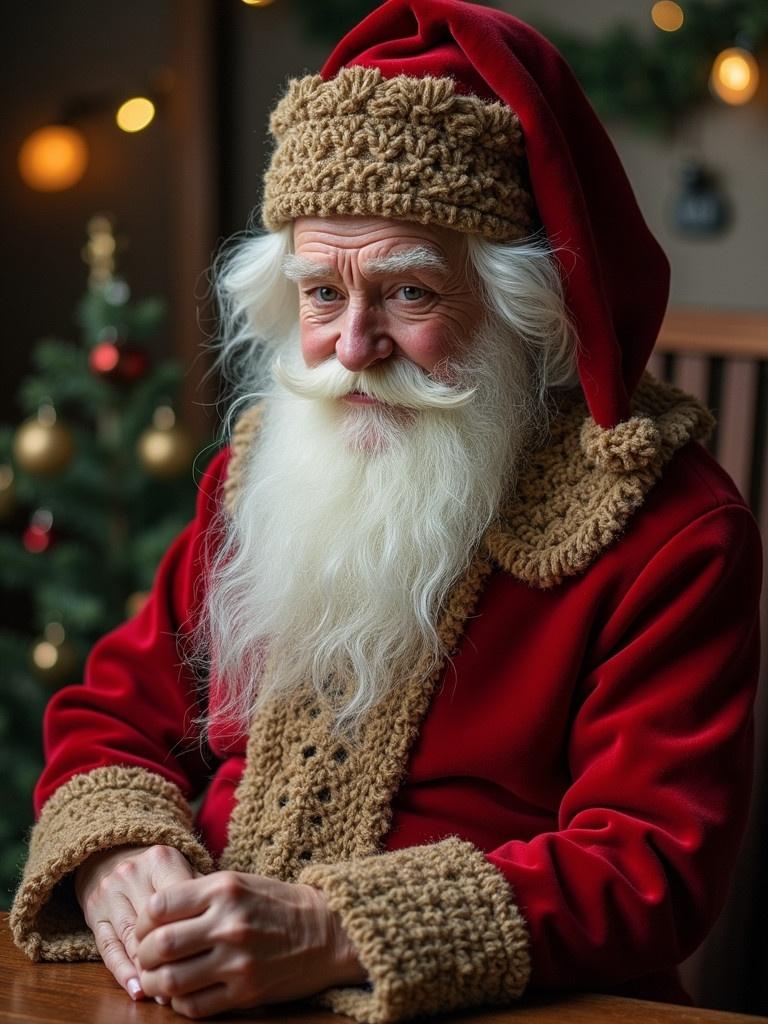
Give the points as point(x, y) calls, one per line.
point(93, 487)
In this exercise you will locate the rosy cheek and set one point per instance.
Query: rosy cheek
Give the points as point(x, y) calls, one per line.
point(317, 343)
point(429, 346)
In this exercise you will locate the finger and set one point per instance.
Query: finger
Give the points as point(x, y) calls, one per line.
point(179, 901)
point(120, 914)
point(121, 894)
point(169, 867)
point(182, 977)
point(174, 941)
point(154, 869)
point(116, 960)
point(205, 1003)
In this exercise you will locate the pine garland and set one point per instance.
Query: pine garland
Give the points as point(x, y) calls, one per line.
point(654, 80)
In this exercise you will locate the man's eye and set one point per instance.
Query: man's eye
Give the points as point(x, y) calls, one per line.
point(411, 292)
point(325, 294)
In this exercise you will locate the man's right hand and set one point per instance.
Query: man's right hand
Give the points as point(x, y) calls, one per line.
point(112, 887)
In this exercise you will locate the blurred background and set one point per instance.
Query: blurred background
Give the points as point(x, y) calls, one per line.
point(135, 138)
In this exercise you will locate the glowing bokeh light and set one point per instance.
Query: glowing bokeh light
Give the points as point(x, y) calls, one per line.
point(258, 3)
point(735, 76)
point(45, 654)
point(135, 114)
point(53, 158)
point(667, 15)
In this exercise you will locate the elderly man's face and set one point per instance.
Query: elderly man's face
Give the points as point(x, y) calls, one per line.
point(375, 289)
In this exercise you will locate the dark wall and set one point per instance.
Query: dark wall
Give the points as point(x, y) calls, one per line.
point(53, 52)
point(260, 50)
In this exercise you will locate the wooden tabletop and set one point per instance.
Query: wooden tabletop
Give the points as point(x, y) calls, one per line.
point(86, 992)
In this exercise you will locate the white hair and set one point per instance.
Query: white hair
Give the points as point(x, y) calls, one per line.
point(341, 552)
point(522, 286)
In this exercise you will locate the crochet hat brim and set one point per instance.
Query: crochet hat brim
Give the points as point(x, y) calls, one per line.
point(408, 148)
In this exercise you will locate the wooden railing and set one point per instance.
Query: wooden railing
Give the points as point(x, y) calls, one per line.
point(722, 358)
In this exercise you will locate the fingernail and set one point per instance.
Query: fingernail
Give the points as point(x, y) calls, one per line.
point(134, 988)
point(162, 1000)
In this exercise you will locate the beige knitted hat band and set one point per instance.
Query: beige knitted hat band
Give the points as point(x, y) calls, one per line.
point(410, 148)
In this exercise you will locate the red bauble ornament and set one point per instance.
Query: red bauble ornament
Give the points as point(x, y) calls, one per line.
point(39, 535)
point(134, 363)
point(120, 361)
point(103, 359)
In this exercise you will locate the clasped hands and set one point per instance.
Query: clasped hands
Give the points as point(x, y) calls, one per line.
point(210, 943)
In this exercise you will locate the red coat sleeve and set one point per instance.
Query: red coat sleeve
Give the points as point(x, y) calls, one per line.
point(138, 702)
point(659, 759)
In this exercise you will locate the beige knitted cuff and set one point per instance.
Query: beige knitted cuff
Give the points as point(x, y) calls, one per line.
point(113, 806)
point(435, 927)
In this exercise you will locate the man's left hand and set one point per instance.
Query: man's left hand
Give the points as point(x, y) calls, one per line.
point(231, 940)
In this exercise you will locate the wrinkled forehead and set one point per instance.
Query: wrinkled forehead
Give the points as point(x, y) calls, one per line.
point(381, 243)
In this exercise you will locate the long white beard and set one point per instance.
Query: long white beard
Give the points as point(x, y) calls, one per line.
point(353, 523)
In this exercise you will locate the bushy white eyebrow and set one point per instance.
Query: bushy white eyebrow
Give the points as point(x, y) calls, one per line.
point(418, 258)
point(300, 268)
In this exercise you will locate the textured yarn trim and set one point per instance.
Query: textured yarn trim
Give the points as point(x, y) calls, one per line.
point(578, 492)
point(98, 810)
point(435, 926)
point(409, 148)
point(306, 796)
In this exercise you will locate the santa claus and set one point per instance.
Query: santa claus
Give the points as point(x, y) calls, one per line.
point(456, 660)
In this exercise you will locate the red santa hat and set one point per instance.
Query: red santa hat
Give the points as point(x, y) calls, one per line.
point(446, 112)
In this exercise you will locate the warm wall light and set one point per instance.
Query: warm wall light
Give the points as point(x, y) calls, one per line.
point(135, 114)
point(53, 158)
point(735, 76)
point(258, 3)
point(667, 16)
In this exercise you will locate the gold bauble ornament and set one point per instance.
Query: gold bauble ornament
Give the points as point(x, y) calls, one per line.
point(165, 449)
point(41, 445)
point(136, 602)
point(7, 491)
point(53, 657)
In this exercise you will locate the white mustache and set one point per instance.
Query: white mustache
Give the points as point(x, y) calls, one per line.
point(399, 382)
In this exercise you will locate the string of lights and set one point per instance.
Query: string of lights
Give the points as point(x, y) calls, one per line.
point(55, 157)
point(700, 52)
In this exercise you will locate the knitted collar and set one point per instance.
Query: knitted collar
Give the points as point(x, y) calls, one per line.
point(576, 493)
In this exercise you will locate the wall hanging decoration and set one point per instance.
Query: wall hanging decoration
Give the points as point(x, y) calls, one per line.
point(701, 209)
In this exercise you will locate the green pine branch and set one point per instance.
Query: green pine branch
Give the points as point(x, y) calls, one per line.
point(112, 522)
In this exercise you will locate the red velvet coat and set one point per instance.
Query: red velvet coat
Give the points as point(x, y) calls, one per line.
point(592, 738)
